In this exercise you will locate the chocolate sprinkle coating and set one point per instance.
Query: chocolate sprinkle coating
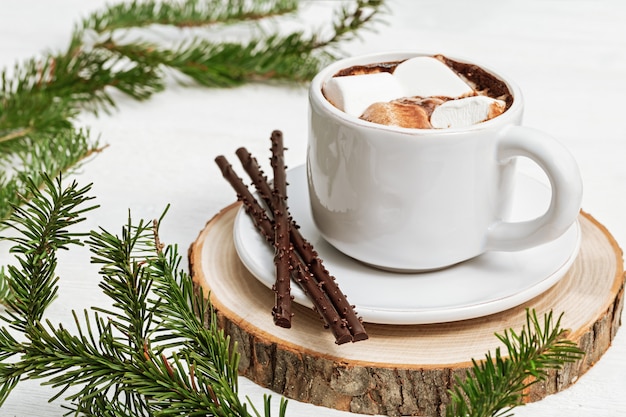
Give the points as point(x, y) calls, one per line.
point(264, 225)
point(283, 248)
point(306, 251)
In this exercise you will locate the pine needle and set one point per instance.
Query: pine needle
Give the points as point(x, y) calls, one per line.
point(497, 384)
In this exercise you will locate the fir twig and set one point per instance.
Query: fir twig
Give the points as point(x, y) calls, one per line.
point(41, 97)
point(42, 230)
point(186, 14)
point(152, 353)
point(25, 159)
point(496, 385)
point(41, 225)
point(149, 354)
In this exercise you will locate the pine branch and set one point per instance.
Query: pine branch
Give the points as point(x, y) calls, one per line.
point(41, 97)
point(22, 166)
point(496, 385)
point(150, 354)
point(229, 64)
point(31, 284)
point(42, 226)
point(186, 14)
point(125, 280)
point(293, 57)
point(350, 20)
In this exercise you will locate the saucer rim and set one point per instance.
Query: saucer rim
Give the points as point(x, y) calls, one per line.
point(382, 315)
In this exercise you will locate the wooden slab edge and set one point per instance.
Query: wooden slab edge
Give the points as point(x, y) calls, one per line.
point(376, 388)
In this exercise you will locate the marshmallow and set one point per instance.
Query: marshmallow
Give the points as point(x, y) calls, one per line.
point(354, 93)
point(425, 76)
point(466, 112)
point(396, 113)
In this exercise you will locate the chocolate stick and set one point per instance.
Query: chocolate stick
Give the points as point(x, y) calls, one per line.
point(337, 297)
point(264, 225)
point(251, 205)
point(283, 250)
point(320, 301)
point(306, 251)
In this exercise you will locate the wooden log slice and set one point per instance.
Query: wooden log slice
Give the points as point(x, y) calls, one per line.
point(401, 369)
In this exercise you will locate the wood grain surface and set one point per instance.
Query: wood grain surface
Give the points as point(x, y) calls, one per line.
point(401, 369)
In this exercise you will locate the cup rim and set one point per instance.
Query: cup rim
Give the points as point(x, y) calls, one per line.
point(316, 95)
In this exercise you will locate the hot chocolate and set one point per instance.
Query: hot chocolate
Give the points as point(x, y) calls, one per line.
point(424, 92)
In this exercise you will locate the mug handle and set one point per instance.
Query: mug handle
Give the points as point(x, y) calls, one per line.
point(565, 181)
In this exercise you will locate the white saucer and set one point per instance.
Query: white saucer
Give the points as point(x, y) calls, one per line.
point(488, 284)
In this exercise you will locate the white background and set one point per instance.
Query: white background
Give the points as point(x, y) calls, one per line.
point(569, 57)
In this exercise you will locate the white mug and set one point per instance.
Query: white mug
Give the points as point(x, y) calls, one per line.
point(422, 199)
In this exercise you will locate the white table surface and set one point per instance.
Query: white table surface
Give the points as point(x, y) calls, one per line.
point(569, 57)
